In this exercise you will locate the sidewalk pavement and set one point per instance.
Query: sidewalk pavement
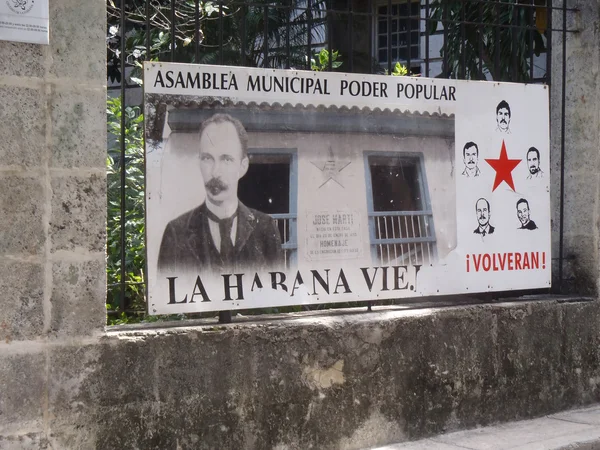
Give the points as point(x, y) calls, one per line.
point(577, 429)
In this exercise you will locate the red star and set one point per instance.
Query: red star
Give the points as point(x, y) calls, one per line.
point(503, 167)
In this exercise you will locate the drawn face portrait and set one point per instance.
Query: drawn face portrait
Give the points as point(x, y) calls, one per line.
point(470, 157)
point(503, 119)
point(221, 162)
point(523, 212)
point(482, 208)
point(533, 161)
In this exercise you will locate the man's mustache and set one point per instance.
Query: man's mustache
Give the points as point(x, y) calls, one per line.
point(215, 186)
point(502, 121)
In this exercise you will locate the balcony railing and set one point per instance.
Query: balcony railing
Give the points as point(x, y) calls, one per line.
point(287, 224)
point(402, 237)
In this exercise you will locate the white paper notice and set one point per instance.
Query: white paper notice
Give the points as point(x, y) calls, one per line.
point(24, 21)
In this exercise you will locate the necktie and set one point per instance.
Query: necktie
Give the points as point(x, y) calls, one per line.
point(226, 244)
point(225, 226)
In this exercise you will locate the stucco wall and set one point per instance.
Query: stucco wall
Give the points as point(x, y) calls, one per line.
point(343, 380)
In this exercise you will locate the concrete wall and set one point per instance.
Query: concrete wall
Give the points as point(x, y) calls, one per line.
point(582, 139)
point(321, 381)
point(326, 381)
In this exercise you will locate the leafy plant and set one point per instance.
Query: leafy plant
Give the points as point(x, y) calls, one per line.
point(132, 136)
point(399, 70)
point(320, 61)
point(490, 38)
point(157, 14)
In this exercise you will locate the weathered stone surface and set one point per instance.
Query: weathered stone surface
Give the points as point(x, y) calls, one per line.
point(78, 128)
point(82, 46)
point(23, 60)
point(576, 250)
point(21, 209)
point(581, 156)
point(580, 353)
point(23, 140)
point(78, 213)
point(579, 201)
point(581, 233)
point(22, 387)
point(341, 382)
point(108, 378)
point(21, 296)
point(577, 276)
point(29, 441)
point(580, 95)
point(78, 296)
point(83, 379)
point(69, 436)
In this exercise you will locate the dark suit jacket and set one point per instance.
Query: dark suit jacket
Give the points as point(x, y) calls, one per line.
point(491, 230)
point(188, 245)
point(530, 226)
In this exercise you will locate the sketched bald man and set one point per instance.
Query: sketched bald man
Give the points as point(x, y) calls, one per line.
point(482, 209)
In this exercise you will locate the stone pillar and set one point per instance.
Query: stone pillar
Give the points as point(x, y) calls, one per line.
point(52, 207)
point(582, 139)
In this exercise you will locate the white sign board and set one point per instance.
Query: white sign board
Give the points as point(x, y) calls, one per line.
point(273, 188)
point(24, 21)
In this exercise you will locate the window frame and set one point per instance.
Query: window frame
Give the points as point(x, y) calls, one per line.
point(291, 244)
point(419, 159)
point(414, 62)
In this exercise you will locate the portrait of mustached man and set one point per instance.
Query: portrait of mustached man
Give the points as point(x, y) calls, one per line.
point(471, 159)
point(483, 211)
point(503, 115)
point(222, 234)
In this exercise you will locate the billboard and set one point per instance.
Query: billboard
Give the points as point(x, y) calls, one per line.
point(270, 187)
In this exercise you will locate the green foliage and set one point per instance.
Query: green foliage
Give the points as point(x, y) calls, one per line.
point(399, 70)
point(159, 37)
point(320, 61)
point(134, 206)
point(505, 49)
point(242, 28)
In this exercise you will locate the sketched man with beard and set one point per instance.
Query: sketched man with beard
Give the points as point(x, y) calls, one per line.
point(533, 163)
point(222, 234)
